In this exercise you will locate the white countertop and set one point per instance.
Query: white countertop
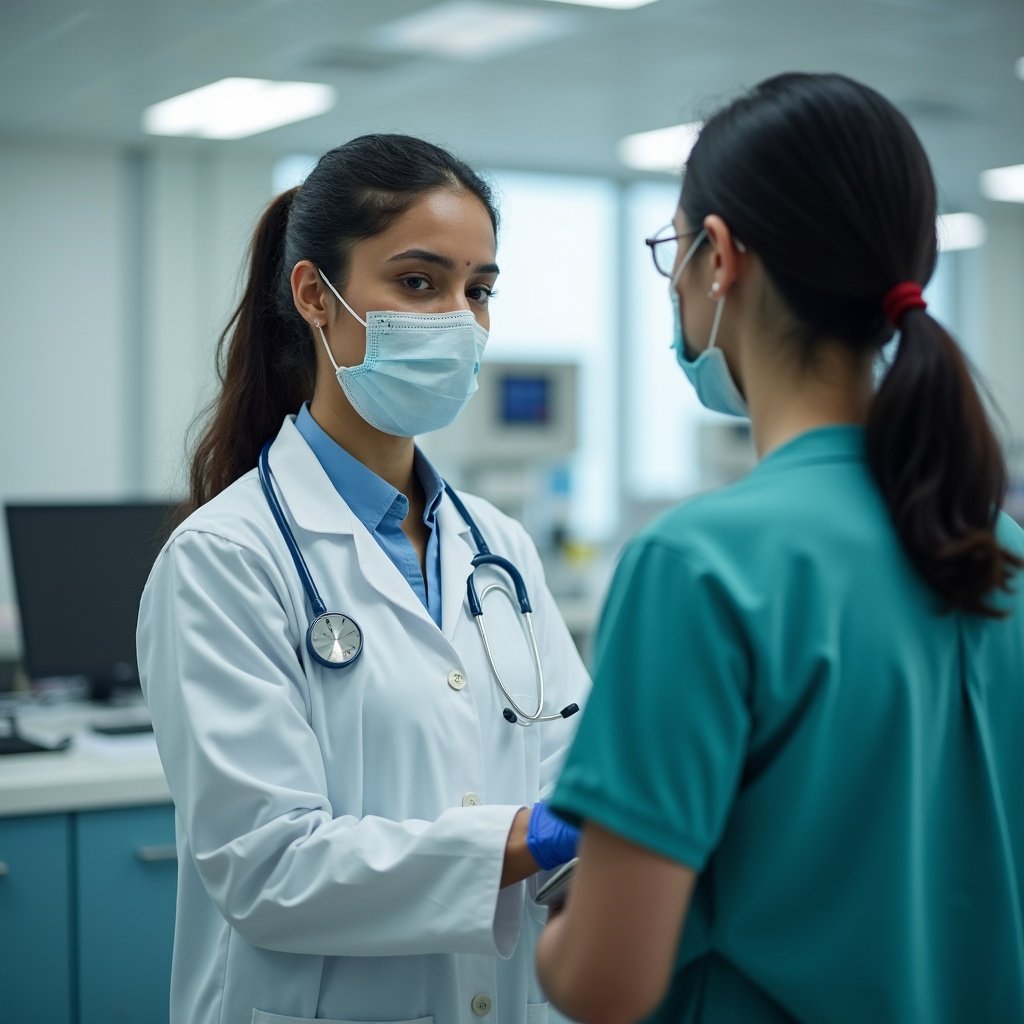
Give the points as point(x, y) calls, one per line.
point(96, 771)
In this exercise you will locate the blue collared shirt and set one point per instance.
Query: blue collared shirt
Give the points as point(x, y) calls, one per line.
point(382, 509)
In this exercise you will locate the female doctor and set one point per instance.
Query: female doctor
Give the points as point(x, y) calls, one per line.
point(356, 758)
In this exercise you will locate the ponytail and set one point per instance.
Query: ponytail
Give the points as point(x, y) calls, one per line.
point(265, 366)
point(827, 182)
point(939, 466)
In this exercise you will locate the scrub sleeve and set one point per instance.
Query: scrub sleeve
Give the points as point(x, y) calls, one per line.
point(662, 741)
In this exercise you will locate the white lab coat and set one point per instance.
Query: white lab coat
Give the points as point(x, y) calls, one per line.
point(341, 831)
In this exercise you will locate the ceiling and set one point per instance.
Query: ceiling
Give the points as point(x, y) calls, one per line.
point(74, 71)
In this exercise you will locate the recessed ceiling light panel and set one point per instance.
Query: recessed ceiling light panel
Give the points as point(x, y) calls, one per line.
point(663, 149)
point(236, 107)
point(1004, 184)
point(618, 5)
point(470, 30)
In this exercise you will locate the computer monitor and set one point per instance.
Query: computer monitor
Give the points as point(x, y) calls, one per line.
point(523, 414)
point(79, 572)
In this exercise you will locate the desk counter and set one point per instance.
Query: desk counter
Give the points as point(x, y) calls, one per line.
point(95, 771)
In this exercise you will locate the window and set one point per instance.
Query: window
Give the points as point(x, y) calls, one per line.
point(663, 418)
point(557, 302)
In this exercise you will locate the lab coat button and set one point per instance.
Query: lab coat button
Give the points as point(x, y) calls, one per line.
point(456, 680)
point(481, 1005)
point(471, 800)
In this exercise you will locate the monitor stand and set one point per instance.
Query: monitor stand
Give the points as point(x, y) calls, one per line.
point(103, 689)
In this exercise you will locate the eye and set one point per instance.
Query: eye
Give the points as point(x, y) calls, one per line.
point(481, 293)
point(416, 283)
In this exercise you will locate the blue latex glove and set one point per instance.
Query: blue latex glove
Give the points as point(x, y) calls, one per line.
point(550, 840)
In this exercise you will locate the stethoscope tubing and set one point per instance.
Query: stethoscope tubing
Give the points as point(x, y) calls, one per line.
point(522, 717)
point(266, 480)
point(514, 713)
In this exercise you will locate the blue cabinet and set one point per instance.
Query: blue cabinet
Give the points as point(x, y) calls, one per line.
point(35, 920)
point(125, 883)
point(87, 916)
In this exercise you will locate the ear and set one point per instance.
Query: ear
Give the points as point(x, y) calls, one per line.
point(728, 255)
point(309, 293)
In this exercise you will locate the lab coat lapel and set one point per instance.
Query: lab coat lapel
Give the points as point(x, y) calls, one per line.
point(383, 575)
point(457, 553)
point(316, 507)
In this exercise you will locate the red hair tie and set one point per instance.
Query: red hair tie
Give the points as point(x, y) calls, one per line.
point(901, 297)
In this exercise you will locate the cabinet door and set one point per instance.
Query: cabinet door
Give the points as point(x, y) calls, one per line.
point(126, 883)
point(35, 919)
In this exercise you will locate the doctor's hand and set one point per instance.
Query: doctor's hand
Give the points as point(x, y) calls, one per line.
point(550, 840)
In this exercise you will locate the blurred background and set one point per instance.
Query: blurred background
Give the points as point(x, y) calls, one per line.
point(123, 223)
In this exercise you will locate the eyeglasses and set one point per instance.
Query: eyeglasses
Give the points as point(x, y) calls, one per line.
point(665, 248)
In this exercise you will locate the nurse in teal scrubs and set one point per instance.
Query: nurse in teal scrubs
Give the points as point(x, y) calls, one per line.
point(801, 771)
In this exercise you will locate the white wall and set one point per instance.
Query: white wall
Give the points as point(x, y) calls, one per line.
point(62, 340)
point(117, 272)
point(200, 211)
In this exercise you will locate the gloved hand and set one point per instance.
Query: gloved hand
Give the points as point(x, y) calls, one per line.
point(550, 840)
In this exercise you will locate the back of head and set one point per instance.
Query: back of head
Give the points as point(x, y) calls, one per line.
point(265, 359)
point(827, 182)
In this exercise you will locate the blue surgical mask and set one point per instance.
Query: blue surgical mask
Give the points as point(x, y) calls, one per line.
point(419, 370)
point(708, 372)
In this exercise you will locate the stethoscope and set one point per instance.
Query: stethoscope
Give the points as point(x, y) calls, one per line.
point(335, 639)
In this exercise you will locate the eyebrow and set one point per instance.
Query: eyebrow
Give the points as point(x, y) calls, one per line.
point(425, 256)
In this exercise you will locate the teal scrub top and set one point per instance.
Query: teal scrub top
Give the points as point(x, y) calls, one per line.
point(779, 705)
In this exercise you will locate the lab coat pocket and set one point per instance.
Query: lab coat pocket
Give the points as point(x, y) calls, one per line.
point(262, 1017)
point(537, 1013)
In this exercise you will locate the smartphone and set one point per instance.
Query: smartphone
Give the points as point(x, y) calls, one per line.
point(553, 891)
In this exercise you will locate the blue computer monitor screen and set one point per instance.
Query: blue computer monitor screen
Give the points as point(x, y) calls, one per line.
point(525, 400)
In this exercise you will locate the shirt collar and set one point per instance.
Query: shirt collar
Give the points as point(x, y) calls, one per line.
point(371, 498)
point(838, 443)
point(433, 486)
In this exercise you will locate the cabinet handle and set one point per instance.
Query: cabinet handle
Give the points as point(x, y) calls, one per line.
point(151, 854)
point(4, 869)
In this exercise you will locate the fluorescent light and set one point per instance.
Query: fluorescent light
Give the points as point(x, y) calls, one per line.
point(235, 107)
point(618, 5)
point(1004, 184)
point(663, 149)
point(1019, 67)
point(960, 231)
point(469, 30)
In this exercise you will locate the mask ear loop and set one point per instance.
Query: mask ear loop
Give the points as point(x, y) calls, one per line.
point(720, 299)
point(334, 291)
point(327, 348)
point(318, 326)
point(719, 309)
point(688, 255)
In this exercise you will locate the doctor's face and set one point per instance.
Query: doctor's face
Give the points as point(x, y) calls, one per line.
point(437, 257)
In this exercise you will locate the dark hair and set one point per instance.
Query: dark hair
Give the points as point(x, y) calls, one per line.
point(266, 363)
point(827, 182)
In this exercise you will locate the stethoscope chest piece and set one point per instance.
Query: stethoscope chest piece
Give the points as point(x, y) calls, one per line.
point(334, 639)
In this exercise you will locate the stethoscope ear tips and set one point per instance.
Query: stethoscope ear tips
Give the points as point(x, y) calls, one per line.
point(569, 709)
point(510, 716)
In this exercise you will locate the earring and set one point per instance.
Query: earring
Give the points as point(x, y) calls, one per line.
point(715, 289)
point(316, 323)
